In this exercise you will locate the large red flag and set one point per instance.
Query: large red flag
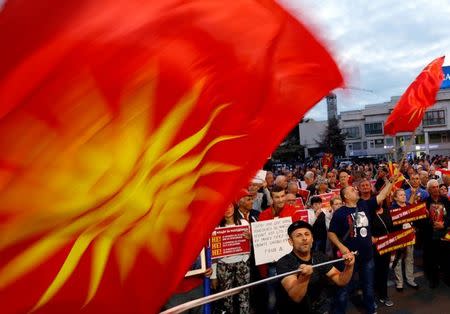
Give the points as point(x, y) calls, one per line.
point(420, 95)
point(126, 127)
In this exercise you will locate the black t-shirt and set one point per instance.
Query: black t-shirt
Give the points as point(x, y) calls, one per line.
point(355, 234)
point(316, 298)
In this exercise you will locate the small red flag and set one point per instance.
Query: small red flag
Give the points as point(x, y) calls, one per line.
point(420, 95)
point(327, 160)
point(126, 127)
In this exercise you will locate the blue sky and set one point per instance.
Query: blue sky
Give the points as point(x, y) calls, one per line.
point(382, 44)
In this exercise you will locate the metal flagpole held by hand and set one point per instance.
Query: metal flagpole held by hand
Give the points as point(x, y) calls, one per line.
point(213, 297)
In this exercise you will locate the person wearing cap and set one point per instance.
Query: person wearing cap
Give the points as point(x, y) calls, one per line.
point(262, 199)
point(245, 206)
point(306, 291)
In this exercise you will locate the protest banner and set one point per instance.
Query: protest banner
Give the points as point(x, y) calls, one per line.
point(337, 192)
point(304, 194)
point(395, 240)
point(301, 214)
point(299, 205)
point(270, 240)
point(326, 197)
point(228, 241)
point(198, 266)
point(408, 213)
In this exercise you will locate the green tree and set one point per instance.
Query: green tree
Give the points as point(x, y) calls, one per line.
point(333, 140)
point(290, 149)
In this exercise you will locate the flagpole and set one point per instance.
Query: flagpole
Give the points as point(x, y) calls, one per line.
point(407, 148)
point(213, 297)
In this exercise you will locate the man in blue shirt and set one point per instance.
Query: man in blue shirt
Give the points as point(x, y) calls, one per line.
point(415, 193)
point(350, 231)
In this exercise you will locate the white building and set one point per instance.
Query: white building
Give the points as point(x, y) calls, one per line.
point(365, 131)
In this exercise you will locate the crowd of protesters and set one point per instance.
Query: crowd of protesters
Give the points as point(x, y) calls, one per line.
point(354, 222)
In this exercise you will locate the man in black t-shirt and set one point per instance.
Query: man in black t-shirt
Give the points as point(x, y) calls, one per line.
point(304, 292)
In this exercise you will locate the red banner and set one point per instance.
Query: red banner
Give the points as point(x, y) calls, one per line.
point(326, 197)
point(229, 241)
point(336, 192)
point(327, 160)
point(304, 194)
point(395, 240)
point(408, 213)
point(301, 214)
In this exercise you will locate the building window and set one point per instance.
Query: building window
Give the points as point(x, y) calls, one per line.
point(373, 128)
point(371, 143)
point(379, 143)
point(357, 146)
point(435, 138)
point(352, 132)
point(435, 117)
point(420, 139)
point(389, 141)
point(364, 145)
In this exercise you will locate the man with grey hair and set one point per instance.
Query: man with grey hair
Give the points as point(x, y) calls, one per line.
point(281, 181)
point(310, 182)
point(423, 176)
point(436, 252)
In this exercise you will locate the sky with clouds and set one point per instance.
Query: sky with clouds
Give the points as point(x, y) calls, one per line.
point(382, 44)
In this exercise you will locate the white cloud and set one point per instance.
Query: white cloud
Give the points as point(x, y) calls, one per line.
point(382, 44)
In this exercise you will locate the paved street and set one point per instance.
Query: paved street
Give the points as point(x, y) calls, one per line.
point(422, 301)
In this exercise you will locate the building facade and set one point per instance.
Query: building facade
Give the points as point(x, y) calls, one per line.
point(365, 136)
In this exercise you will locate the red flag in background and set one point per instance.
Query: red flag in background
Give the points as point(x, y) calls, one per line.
point(125, 129)
point(327, 160)
point(420, 95)
point(393, 171)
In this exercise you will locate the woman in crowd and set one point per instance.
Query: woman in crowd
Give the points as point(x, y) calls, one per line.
point(233, 271)
point(381, 225)
point(321, 225)
point(322, 186)
point(443, 190)
point(406, 254)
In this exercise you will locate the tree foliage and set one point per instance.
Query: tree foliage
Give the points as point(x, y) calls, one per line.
point(333, 140)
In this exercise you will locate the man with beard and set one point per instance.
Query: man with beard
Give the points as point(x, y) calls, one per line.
point(305, 292)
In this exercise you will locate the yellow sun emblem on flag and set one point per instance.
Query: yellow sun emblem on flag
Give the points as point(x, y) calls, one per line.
point(118, 181)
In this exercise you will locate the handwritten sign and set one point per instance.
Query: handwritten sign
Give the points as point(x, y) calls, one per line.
point(395, 240)
point(270, 240)
point(408, 213)
point(229, 241)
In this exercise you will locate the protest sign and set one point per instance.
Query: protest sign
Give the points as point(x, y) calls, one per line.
point(270, 240)
point(304, 194)
point(199, 265)
point(326, 197)
point(408, 213)
point(336, 192)
point(301, 214)
point(395, 240)
point(299, 205)
point(228, 241)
